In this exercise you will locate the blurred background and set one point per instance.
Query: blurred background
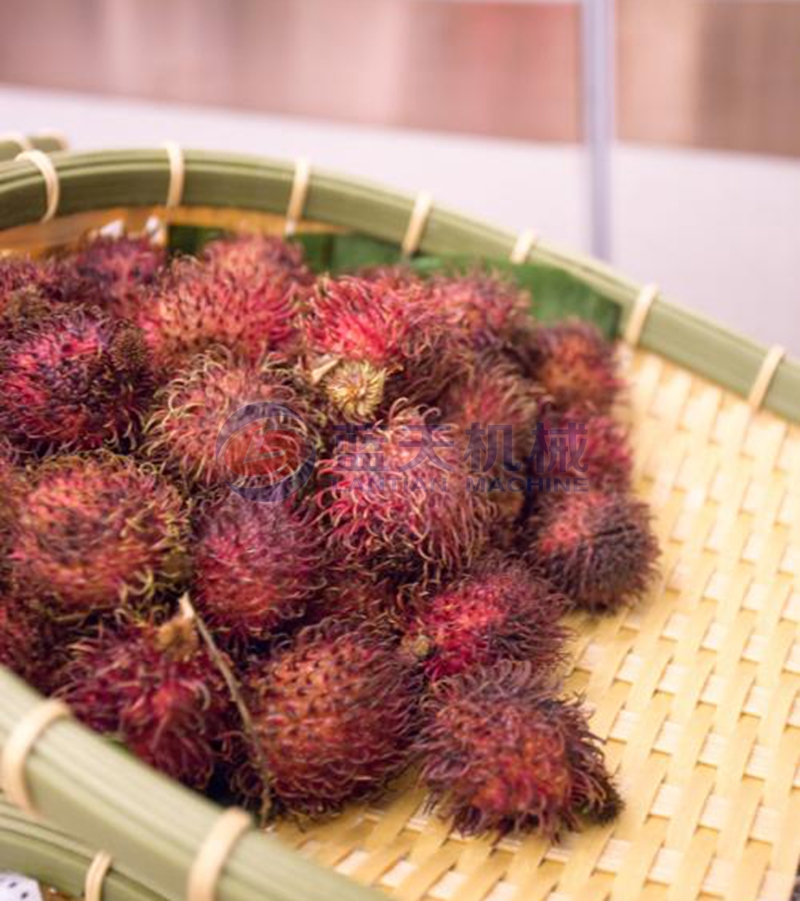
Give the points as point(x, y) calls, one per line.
point(661, 135)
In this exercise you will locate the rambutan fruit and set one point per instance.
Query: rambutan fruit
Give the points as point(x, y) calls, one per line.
point(500, 611)
point(47, 279)
point(255, 566)
point(576, 366)
point(10, 485)
point(113, 272)
point(597, 547)
point(494, 409)
point(334, 714)
point(368, 344)
point(96, 531)
point(73, 378)
point(399, 503)
point(222, 422)
point(19, 638)
point(242, 254)
point(251, 310)
point(579, 444)
point(501, 754)
point(155, 689)
point(478, 311)
point(346, 596)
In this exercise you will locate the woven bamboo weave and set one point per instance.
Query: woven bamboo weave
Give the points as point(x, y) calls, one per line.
point(695, 691)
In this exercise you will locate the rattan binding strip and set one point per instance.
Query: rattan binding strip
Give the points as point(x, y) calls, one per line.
point(297, 199)
point(177, 174)
point(523, 246)
point(20, 745)
point(96, 876)
point(765, 376)
point(416, 224)
point(210, 861)
point(52, 186)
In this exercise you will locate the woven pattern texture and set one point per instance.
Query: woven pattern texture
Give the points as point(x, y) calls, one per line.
point(695, 691)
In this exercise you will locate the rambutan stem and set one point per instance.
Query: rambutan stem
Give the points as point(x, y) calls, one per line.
point(190, 614)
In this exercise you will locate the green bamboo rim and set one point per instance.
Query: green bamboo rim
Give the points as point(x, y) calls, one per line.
point(119, 178)
point(56, 859)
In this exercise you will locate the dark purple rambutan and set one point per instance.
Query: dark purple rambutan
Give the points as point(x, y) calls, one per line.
point(155, 689)
point(369, 343)
point(20, 641)
point(113, 272)
point(478, 311)
point(251, 309)
point(10, 487)
point(577, 366)
point(597, 547)
point(73, 377)
point(334, 714)
point(346, 596)
point(20, 274)
point(95, 531)
point(255, 567)
point(399, 503)
point(579, 444)
point(501, 754)
point(500, 611)
point(220, 422)
point(496, 409)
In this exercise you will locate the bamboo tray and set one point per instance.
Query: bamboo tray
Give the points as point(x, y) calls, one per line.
point(695, 690)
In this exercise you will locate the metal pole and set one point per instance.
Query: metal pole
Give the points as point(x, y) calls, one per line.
point(597, 28)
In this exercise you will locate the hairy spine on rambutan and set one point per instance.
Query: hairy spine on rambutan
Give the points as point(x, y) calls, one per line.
point(597, 547)
point(500, 753)
point(97, 531)
point(73, 377)
point(256, 567)
point(500, 611)
point(478, 311)
point(20, 641)
point(113, 272)
point(494, 409)
point(368, 344)
point(221, 422)
point(576, 366)
point(334, 713)
point(578, 444)
point(252, 310)
point(155, 689)
point(266, 254)
point(49, 279)
point(399, 503)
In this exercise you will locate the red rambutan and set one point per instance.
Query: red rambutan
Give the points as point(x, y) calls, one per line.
point(500, 611)
point(479, 311)
point(346, 596)
point(597, 547)
point(576, 366)
point(73, 378)
point(220, 422)
point(578, 444)
point(250, 309)
point(501, 754)
point(368, 344)
point(10, 485)
point(399, 501)
point(255, 568)
point(334, 714)
point(94, 531)
point(156, 690)
point(48, 279)
point(242, 254)
point(112, 272)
